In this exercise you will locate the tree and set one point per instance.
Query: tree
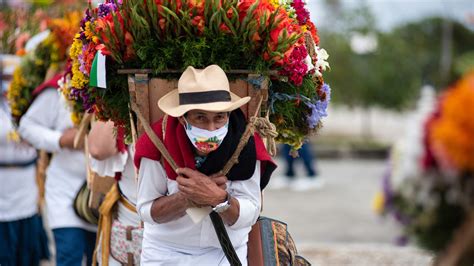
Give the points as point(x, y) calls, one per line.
point(406, 58)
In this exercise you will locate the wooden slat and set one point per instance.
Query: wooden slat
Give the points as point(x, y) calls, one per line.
point(158, 88)
point(174, 71)
point(142, 98)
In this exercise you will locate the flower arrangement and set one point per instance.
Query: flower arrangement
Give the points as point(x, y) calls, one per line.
point(16, 29)
point(49, 55)
point(430, 189)
point(261, 36)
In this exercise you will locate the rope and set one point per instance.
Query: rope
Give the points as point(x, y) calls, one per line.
point(267, 130)
point(264, 127)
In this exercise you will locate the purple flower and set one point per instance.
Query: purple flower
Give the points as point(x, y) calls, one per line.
point(87, 17)
point(82, 63)
point(402, 240)
point(319, 108)
point(327, 90)
point(105, 9)
point(387, 188)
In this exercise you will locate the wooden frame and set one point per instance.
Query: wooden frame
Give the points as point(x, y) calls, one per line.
point(146, 91)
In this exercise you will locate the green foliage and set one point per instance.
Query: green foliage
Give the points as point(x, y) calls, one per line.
point(292, 114)
point(406, 58)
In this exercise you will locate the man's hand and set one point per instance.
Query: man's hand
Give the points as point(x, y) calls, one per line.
point(220, 180)
point(67, 139)
point(200, 188)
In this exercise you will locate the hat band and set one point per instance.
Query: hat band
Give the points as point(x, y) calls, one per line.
point(204, 97)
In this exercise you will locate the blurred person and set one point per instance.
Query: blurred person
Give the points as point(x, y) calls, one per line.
point(290, 179)
point(201, 137)
point(120, 226)
point(23, 240)
point(47, 126)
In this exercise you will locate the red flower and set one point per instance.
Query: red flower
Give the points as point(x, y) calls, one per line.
point(199, 22)
point(162, 23)
point(223, 27)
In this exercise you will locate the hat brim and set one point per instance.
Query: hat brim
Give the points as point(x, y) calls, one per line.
point(170, 104)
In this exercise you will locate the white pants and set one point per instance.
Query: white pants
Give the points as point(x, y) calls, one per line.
point(163, 256)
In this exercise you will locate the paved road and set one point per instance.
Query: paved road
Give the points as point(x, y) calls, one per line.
point(335, 225)
point(337, 221)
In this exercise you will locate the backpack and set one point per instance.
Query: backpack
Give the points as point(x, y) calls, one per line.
point(270, 244)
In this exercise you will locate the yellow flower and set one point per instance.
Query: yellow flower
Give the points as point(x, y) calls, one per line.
point(275, 3)
point(304, 28)
point(378, 203)
point(88, 31)
point(76, 118)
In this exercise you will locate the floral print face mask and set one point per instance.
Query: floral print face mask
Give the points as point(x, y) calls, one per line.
point(204, 140)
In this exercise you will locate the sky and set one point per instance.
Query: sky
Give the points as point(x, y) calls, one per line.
point(390, 13)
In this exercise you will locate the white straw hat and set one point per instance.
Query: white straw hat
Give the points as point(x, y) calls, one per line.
point(201, 89)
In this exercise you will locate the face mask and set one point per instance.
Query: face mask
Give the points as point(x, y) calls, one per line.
point(204, 140)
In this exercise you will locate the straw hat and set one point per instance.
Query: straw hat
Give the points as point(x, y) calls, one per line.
point(201, 89)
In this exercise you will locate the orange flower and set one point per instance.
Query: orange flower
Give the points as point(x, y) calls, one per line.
point(314, 32)
point(452, 133)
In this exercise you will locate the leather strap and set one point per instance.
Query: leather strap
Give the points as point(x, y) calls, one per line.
point(224, 239)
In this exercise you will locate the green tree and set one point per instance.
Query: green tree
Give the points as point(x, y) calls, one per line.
point(406, 58)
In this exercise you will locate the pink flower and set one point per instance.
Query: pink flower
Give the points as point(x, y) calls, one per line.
point(295, 67)
point(301, 13)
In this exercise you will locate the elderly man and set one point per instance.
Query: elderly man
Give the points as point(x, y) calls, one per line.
point(201, 132)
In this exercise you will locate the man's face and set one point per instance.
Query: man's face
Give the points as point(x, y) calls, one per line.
point(206, 120)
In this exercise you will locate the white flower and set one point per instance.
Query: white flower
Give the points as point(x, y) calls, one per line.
point(321, 63)
point(309, 63)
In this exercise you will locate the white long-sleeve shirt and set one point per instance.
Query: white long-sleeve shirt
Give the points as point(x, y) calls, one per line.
point(18, 189)
point(183, 242)
point(123, 163)
point(42, 126)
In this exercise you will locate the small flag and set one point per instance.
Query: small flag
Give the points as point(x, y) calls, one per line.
point(97, 76)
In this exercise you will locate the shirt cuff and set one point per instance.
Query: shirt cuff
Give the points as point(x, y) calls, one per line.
point(109, 166)
point(248, 214)
point(51, 141)
point(145, 213)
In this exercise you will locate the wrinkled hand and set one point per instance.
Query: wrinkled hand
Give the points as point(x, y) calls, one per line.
point(201, 189)
point(220, 180)
point(67, 139)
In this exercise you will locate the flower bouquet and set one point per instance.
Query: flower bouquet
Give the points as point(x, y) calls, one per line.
point(49, 55)
point(268, 37)
point(430, 188)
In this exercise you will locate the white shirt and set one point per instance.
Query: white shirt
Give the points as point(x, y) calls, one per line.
point(183, 242)
point(123, 163)
point(42, 126)
point(18, 189)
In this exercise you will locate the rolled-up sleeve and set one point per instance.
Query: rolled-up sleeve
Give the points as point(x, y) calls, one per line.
point(248, 194)
point(37, 126)
point(152, 184)
point(109, 166)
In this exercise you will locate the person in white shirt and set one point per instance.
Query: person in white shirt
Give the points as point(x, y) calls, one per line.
point(118, 212)
point(201, 131)
point(23, 240)
point(47, 126)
